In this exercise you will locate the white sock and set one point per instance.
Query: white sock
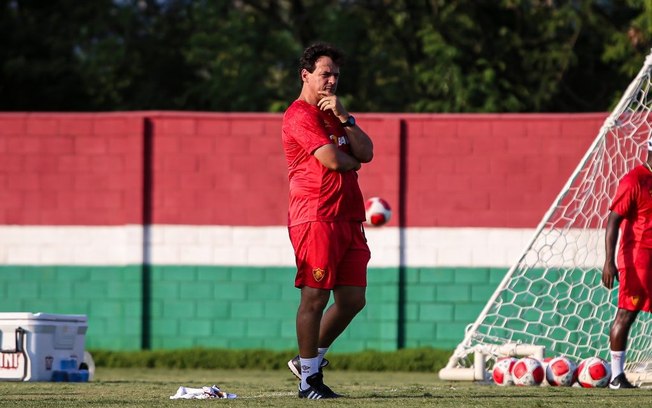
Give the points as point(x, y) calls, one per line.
point(617, 363)
point(309, 366)
point(322, 351)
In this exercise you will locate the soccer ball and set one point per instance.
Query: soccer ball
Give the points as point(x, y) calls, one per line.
point(528, 371)
point(561, 371)
point(593, 372)
point(502, 371)
point(377, 211)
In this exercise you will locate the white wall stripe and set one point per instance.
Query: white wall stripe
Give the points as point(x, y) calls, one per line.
point(70, 245)
point(249, 246)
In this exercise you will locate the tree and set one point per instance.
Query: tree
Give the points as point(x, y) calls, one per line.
point(402, 56)
point(38, 41)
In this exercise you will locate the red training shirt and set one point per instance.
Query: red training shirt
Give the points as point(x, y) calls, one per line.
point(633, 201)
point(317, 193)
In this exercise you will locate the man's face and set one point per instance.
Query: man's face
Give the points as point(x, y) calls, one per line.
point(324, 77)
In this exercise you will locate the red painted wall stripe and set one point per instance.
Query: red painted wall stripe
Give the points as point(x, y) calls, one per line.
point(229, 169)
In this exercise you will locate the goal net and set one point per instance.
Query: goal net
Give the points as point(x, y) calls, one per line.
point(552, 299)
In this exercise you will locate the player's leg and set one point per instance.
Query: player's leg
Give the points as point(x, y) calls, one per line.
point(309, 317)
point(308, 322)
point(618, 336)
point(634, 286)
point(315, 270)
point(629, 303)
point(349, 301)
point(349, 292)
point(620, 329)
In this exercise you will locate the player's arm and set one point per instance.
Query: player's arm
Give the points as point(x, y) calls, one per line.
point(362, 147)
point(334, 159)
point(610, 272)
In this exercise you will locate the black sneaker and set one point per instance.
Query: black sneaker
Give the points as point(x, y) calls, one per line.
point(621, 381)
point(295, 366)
point(317, 389)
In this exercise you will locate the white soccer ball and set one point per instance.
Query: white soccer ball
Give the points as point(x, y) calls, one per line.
point(528, 371)
point(593, 372)
point(502, 372)
point(377, 211)
point(561, 371)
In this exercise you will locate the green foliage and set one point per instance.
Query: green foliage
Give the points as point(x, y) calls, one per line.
point(627, 47)
point(403, 56)
point(416, 360)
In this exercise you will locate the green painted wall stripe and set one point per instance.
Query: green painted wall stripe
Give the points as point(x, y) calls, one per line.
point(243, 307)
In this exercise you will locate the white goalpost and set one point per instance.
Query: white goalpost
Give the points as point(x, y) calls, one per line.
point(551, 301)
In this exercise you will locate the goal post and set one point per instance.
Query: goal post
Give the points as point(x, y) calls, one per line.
point(552, 300)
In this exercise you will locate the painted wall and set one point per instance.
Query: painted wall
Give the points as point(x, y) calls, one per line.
point(168, 229)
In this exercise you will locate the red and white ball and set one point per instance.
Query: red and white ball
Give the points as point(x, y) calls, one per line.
point(528, 371)
point(502, 371)
point(377, 211)
point(561, 372)
point(593, 372)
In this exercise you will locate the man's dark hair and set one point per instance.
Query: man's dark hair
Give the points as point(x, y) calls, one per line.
point(317, 50)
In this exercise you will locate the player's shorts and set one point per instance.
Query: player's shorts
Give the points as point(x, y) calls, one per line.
point(635, 280)
point(330, 254)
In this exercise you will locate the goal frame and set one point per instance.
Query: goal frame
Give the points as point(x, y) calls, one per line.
point(459, 366)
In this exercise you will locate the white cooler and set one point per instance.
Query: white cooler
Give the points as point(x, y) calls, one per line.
point(42, 347)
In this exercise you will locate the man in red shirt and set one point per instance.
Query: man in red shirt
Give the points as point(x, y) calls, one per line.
point(324, 148)
point(631, 213)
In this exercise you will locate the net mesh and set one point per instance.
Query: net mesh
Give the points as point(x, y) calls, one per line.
point(553, 296)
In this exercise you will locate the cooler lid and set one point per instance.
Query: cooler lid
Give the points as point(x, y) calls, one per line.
point(43, 317)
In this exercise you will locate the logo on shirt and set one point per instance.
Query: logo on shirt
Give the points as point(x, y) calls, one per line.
point(339, 141)
point(318, 274)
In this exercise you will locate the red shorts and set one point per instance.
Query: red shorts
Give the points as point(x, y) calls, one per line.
point(330, 254)
point(635, 280)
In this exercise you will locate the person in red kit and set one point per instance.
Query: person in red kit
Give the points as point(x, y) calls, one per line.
point(324, 148)
point(631, 216)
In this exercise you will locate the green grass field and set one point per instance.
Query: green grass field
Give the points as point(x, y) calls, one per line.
point(120, 387)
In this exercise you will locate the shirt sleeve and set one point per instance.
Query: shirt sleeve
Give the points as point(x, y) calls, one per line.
point(308, 130)
point(625, 198)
